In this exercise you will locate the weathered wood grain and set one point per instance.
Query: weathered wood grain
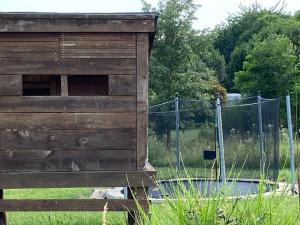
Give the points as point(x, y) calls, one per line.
point(142, 98)
point(67, 160)
point(39, 139)
point(67, 66)
point(33, 49)
point(98, 45)
point(75, 25)
point(13, 205)
point(29, 37)
point(122, 85)
point(140, 178)
point(103, 104)
point(67, 121)
point(64, 85)
point(10, 85)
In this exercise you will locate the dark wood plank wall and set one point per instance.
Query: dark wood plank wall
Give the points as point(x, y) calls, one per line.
point(68, 133)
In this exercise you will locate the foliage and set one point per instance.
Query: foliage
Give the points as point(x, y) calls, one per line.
point(261, 48)
point(235, 38)
point(184, 62)
point(269, 67)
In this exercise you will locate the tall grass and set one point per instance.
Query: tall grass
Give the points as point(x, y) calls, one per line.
point(188, 207)
point(241, 151)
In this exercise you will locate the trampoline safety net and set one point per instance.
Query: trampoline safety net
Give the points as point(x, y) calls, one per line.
point(194, 147)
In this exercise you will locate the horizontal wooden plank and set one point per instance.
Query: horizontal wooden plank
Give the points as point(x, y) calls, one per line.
point(12, 205)
point(75, 25)
point(140, 178)
point(68, 66)
point(33, 55)
point(23, 49)
point(67, 121)
point(39, 139)
point(67, 154)
point(10, 85)
point(26, 37)
point(97, 45)
point(122, 85)
point(104, 104)
point(29, 46)
point(67, 160)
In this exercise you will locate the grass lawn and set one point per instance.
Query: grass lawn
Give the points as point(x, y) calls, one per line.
point(275, 210)
point(57, 218)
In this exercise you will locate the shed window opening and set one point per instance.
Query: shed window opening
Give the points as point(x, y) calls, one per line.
point(41, 85)
point(88, 85)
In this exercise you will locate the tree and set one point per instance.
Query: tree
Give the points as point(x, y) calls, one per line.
point(269, 67)
point(177, 66)
point(183, 63)
point(233, 38)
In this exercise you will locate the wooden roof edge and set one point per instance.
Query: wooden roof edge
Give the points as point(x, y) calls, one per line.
point(73, 15)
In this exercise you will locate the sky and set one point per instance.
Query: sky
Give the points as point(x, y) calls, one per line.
point(211, 12)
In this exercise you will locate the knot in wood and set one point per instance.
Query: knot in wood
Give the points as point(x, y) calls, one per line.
point(24, 133)
point(83, 141)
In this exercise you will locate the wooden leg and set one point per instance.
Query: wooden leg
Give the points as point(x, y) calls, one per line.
point(3, 220)
point(139, 194)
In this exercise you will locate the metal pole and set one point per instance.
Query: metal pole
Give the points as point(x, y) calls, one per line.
point(261, 135)
point(216, 139)
point(177, 135)
point(221, 141)
point(291, 146)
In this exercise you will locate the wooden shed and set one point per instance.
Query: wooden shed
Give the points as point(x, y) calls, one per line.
point(73, 105)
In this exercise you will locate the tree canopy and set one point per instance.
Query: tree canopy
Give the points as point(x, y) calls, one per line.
point(184, 61)
point(255, 49)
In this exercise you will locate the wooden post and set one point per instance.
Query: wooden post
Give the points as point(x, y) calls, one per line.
point(142, 98)
point(139, 193)
point(3, 220)
point(64, 85)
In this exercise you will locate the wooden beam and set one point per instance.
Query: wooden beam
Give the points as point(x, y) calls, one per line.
point(75, 25)
point(64, 85)
point(140, 178)
point(84, 104)
point(70, 205)
point(67, 66)
point(48, 140)
point(67, 161)
point(142, 98)
point(134, 216)
point(67, 121)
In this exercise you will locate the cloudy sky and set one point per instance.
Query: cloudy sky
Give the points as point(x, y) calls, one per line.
point(211, 13)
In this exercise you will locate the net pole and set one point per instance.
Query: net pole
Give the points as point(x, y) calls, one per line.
point(290, 136)
point(261, 135)
point(177, 135)
point(216, 138)
point(221, 141)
